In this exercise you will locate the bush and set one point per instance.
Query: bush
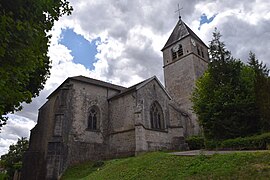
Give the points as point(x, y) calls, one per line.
point(247, 143)
point(195, 142)
point(212, 144)
point(256, 142)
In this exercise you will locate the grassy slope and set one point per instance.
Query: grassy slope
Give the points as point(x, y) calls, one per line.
point(2, 176)
point(159, 165)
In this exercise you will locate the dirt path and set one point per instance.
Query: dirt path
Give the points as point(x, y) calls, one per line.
point(205, 152)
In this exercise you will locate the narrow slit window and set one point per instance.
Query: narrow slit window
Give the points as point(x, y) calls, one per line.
point(198, 50)
point(202, 52)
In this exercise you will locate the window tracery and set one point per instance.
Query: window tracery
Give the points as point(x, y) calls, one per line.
point(156, 116)
point(93, 118)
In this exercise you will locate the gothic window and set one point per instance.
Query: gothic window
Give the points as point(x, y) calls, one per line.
point(156, 116)
point(177, 51)
point(93, 118)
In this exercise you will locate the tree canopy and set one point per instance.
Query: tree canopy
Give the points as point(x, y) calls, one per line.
point(24, 41)
point(12, 161)
point(262, 91)
point(226, 97)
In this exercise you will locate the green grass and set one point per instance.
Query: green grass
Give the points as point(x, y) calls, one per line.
point(160, 165)
point(2, 176)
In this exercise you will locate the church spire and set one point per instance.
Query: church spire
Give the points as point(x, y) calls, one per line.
point(178, 10)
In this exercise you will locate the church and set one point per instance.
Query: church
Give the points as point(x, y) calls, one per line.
point(87, 119)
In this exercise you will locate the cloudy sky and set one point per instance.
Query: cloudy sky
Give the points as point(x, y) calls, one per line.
point(119, 41)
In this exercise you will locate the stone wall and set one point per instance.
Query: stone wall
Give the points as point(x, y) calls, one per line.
point(121, 125)
point(148, 139)
point(35, 157)
point(180, 76)
point(85, 144)
point(61, 138)
point(150, 93)
point(153, 140)
point(122, 144)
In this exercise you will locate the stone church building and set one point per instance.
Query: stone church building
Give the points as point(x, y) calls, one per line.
point(87, 119)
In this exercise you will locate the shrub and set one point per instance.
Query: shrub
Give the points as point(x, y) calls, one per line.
point(195, 142)
point(212, 144)
point(247, 143)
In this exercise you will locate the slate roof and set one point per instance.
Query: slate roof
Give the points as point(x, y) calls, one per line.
point(97, 82)
point(180, 31)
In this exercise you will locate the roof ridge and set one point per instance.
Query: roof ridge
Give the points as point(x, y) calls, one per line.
point(131, 88)
point(102, 83)
point(89, 81)
point(177, 34)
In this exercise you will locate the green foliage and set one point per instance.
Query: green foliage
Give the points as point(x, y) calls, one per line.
point(24, 39)
point(224, 97)
point(212, 144)
point(218, 52)
point(247, 143)
point(262, 91)
point(3, 176)
point(12, 161)
point(195, 142)
point(255, 142)
point(160, 165)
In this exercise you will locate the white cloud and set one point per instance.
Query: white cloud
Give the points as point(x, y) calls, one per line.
point(17, 127)
point(243, 24)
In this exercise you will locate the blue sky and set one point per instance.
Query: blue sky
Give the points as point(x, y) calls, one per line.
point(205, 20)
point(82, 50)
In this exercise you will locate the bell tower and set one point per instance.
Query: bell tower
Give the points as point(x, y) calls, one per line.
point(185, 58)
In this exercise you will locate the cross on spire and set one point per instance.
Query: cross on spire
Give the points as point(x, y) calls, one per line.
point(178, 10)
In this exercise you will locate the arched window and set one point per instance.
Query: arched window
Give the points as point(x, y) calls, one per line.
point(93, 118)
point(177, 51)
point(156, 116)
point(180, 51)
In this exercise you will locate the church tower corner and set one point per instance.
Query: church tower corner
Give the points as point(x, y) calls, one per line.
point(185, 58)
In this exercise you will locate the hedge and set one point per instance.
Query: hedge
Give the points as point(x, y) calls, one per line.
point(256, 142)
point(195, 142)
point(247, 143)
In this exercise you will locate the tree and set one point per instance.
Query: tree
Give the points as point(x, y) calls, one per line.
point(262, 91)
point(224, 96)
point(24, 39)
point(12, 161)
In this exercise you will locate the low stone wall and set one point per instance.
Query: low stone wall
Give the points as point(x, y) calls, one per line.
point(122, 144)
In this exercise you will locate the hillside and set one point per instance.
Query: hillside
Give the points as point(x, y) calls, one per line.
point(160, 165)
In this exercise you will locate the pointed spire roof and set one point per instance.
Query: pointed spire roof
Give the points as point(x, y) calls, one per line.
point(180, 31)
